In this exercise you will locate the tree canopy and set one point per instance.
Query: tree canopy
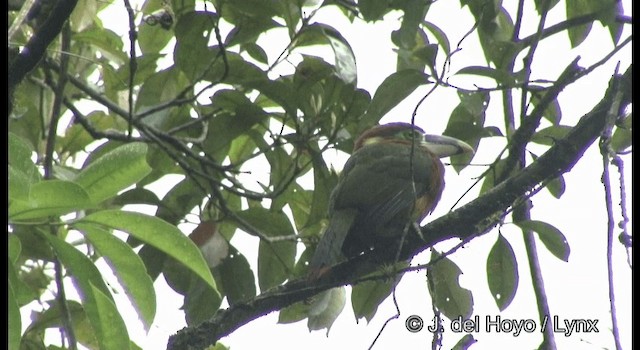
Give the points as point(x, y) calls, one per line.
point(235, 109)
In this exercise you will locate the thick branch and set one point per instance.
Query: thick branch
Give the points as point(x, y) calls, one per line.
point(35, 48)
point(477, 217)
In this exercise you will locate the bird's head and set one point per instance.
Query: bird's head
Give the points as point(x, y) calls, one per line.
point(440, 145)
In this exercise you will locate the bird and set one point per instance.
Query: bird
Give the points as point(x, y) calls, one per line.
point(393, 178)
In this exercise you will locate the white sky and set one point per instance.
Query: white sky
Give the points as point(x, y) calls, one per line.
point(576, 290)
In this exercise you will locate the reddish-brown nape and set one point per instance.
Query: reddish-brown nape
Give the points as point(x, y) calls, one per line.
point(384, 131)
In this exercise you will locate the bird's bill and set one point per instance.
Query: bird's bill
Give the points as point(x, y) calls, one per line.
point(445, 146)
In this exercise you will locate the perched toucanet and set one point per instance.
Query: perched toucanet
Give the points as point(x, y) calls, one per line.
point(394, 178)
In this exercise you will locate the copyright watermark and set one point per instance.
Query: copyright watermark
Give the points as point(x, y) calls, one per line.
point(414, 323)
point(498, 324)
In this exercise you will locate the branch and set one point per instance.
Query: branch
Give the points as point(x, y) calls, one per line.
point(56, 111)
point(605, 150)
point(37, 45)
point(133, 62)
point(477, 217)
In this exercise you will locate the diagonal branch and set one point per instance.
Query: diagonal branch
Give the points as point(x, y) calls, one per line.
point(477, 217)
point(37, 45)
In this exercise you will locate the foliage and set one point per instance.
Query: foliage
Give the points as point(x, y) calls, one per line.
point(193, 92)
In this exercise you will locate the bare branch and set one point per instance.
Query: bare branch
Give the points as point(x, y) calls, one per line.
point(605, 150)
point(56, 111)
point(35, 49)
point(133, 63)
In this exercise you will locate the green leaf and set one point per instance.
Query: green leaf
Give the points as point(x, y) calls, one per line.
point(179, 201)
point(255, 8)
point(83, 15)
point(502, 272)
point(275, 263)
point(622, 136)
point(417, 54)
point(138, 195)
point(541, 3)
point(495, 34)
point(345, 58)
point(154, 260)
point(392, 91)
point(237, 70)
point(256, 52)
point(128, 268)
point(606, 11)
point(13, 248)
point(441, 36)
point(159, 88)
point(345, 61)
point(448, 296)
point(51, 318)
point(157, 233)
point(552, 113)
point(282, 168)
point(106, 41)
point(373, 10)
point(550, 236)
point(152, 36)
point(88, 278)
point(14, 320)
point(200, 302)
point(492, 176)
point(26, 118)
point(275, 93)
point(324, 182)
point(326, 307)
point(23, 293)
point(114, 171)
point(608, 19)
point(367, 296)
point(81, 267)
point(294, 313)
point(577, 8)
point(243, 116)
point(466, 123)
point(248, 31)
point(114, 330)
point(192, 54)
point(50, 198)
point(20, 153)
point(275, 260)
point(465, 342)
point(556, 186)
point(414, 14)
point(77, 138)
point(243, 147)
point(19, 185)
point(236, 277)
point(549, 135)
point(502, 77)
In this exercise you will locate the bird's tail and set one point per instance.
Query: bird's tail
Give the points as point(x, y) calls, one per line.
point(329, 249)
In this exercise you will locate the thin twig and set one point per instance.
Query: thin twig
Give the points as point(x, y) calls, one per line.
point(20, 17)
point(605, 150)
point(35, 49)
point(56, 111)
point(133, 63)
point(625, 236)
point(97, 134)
